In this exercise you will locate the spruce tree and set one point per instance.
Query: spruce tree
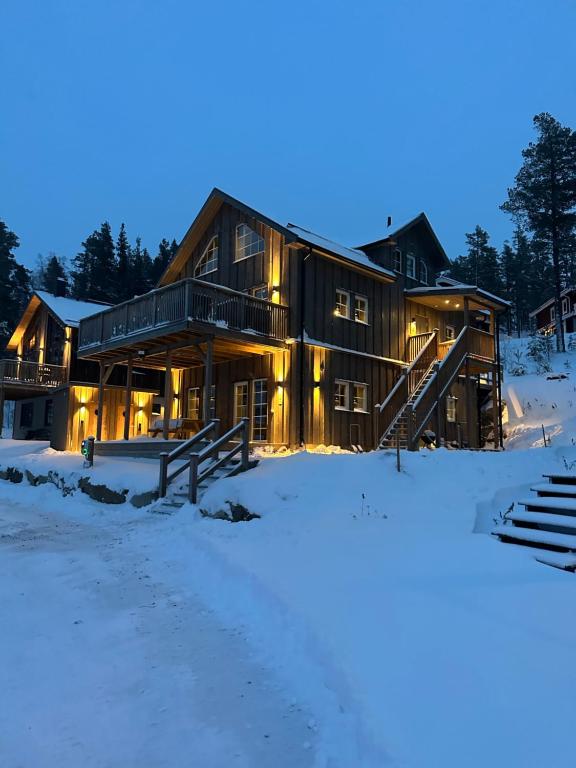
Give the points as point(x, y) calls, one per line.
point(14, 284)
point(141, 269)
point(480, 266)
point(123, 285)
point(543, 199)
point(54, 279)
point(94, 274)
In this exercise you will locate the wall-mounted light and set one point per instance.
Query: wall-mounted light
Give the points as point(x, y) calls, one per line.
point(316, 383)
point(280, 384)
point(275, 289)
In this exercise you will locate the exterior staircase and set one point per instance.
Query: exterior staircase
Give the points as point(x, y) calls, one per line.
point(398, 431)
point(546, 523)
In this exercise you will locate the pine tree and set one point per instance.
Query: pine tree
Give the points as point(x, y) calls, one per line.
point(480, 266)
point(141, 269)
point(123, 288)
point(54, 279)
point(543, 199)
point(95, 269)
point(14, 284)
point(165, 255)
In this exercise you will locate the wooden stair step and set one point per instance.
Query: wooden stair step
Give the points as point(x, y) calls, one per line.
point(541, 503)
point(567, 478)
point(543, 518)
point(535, 536)
point(566, 561)
point(557, 489)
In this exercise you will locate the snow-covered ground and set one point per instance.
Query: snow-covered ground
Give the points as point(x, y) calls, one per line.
point(378, 620)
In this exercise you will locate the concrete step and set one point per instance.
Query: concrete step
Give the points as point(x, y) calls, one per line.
point(554, 505)
point(563, 478)
point(544, 519)
point(554, 489)
point(562, 541)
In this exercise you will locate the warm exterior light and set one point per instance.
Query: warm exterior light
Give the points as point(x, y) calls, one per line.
point(446, 301)
point(280, 384)
point(457, 305)
point(275, 289)
point(316, 383)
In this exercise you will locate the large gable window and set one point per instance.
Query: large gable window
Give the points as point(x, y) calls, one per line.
point(411, 266)
point(209, 259)
point(248, 243)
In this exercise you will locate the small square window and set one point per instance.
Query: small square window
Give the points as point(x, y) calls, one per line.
point(410, 266)
point(341, 395)
point(360, 397)
point(450, 333)
point(360, 309)
point(342, 304)
point(260, 292)
point(451, 409)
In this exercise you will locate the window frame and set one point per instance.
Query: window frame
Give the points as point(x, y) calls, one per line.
point(397, 260)
point(451, 415)
point(365, 300)
point(213, 259)
point(245, 247)
point(552, 313)
point(261, 287)
point(364, 387)
point(411, 259)
point(266, 415)
point(342, 292)
point(565, 306)
point(447, 336)
point(346, 384)
point(199, 401)
point(236, 386)
point(423, 272)
point(27, 408)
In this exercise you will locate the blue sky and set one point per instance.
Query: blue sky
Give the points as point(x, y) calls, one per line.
point(330, 115)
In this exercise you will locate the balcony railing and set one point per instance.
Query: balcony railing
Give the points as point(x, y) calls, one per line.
point(188, 300)
point(36, 374)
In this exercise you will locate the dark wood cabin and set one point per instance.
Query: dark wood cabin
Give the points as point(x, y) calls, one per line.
point(54, 390)
point(314, 342)
point(544, 317)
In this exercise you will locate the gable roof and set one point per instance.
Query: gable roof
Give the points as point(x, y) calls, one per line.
point(292, 234)
point(551, 300)
point(67, 312)
point(395, 232)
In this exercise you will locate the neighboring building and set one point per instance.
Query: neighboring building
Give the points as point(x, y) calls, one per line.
point(54, 390)
point(314, 342)
point(544, 316)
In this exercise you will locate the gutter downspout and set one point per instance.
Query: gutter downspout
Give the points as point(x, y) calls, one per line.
point(499, 381)
point(301, 355)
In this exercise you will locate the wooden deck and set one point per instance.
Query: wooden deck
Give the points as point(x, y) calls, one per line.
point(180, 310)
point(20, 379)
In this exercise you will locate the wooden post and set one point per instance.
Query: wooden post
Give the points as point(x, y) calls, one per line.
point(100, 402)
point(207, 380)
point(1, 409)
point(439, 405)
point(167, 395)
point(245, 444)
point(495, 408)
point(468, 405)
point(128, 399)
point(163, 481)
point(466, 311)
point(193, 479)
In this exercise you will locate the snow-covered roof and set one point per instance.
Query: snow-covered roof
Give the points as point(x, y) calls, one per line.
point(551, 300)
point(70, 311)
point(350, 254)
point(460, 288)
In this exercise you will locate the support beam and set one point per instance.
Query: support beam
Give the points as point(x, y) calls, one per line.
point(207, 380)
point(495, 408)
point(469, 408)
point(466, 311)
point(1, 409)
point(128, 399)
point(167, 395)
point(101, 382)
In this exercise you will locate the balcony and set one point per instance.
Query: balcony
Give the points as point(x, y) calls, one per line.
point(19, 378)
point(188, 305)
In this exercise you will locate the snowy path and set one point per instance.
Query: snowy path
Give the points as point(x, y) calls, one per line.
point(101, 665)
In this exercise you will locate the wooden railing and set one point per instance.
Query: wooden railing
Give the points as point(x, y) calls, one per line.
point(188, 299)
point(211, 452)
point(420, 412)
point(409, 379)
point(416, 344)
point(27, 372)
point(481, 344)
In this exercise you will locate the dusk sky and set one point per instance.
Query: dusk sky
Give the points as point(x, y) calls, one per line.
point(331, 115)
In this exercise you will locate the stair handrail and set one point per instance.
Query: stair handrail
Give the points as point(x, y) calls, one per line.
point(401, 391)
point(166, 458)
point(196, 477)
point(436, 388)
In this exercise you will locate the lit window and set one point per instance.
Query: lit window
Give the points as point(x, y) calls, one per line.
point(398, 260)
point(240, 400)
point(342, 304)
point(194, 403)
point(451, 409)
point(410, 266)
point(360, 309)
point(260, 292)
point(209, 260)
point(248, 243)
point(341, 395)
point(565, 306)
point(360, 397)
point(260, 410)
point(450, 333)
point(423, 273)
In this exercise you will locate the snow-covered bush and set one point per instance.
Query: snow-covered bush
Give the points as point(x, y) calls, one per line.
point(516, 365)
point(540, 350)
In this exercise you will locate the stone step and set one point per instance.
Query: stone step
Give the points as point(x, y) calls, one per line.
point(544, 519)
point(550, 504)
point(564, 478)
point(554, 489)
point(534, 536)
